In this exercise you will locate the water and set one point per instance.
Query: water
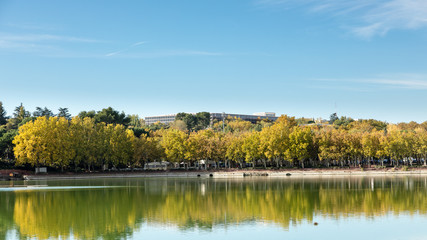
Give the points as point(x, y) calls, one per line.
point(252, 208)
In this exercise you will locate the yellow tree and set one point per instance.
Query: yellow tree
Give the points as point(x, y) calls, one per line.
point(239, 125)
point(220, 143)
point(353, 146)
point(147, 149)
point(87, 141)
point(60, 143)
point(274, 141)
point(250, 147)
point(31, 143)
point(46, 141)
point(326, 144)
point(234, 150)
point(395, 144)
point(371, 145)
point(422, 144)
point(120, 149)
point(300, 144)
point(174, 143)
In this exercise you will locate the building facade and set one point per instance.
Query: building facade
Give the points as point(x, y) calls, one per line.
point(166, 119)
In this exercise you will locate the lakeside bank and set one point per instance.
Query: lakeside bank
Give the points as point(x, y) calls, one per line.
point(285, 173)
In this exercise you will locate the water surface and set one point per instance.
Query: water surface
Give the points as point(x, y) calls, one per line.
point(252, 208)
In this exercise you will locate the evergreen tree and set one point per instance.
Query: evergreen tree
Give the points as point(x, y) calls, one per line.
point(63, 112)
point(3, 118)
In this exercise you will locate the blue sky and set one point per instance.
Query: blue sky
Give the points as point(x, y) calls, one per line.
point(304, 58)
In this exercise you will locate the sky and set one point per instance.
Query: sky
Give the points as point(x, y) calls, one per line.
point(305, 58)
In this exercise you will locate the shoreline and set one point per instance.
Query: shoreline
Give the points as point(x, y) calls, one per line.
point(284, 173)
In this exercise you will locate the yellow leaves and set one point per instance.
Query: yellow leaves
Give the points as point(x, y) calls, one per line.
point(173, 142)
point(58, 142)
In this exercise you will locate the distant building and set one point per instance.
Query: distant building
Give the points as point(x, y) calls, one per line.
point(166, 119)
point(162, 119)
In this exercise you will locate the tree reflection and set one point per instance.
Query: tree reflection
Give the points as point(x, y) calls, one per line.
point(111, 213)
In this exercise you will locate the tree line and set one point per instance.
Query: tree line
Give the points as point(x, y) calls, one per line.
point(107, 138)
point(85, 144)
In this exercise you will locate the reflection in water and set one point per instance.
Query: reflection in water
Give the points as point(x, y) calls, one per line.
point(117, 212)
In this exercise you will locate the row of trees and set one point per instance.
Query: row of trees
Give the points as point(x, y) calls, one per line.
point(62, 143)
point(9, 124)
point(85, 143)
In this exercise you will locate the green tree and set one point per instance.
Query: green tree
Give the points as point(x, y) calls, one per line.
point(85, 114)
point(63, 112)
point(111, 116)
point(3, 117)
point(135, 121)
point(43, 112)
point(203, 120)
point(333, 118)
point(18, 116)
point(6, 145)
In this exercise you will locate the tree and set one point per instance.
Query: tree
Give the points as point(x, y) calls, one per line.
point(6, 145)
point(179, 124)
point(84, 114)
point(234, 150)
point(111, 116)
point(190, 120)
point(343, 121)
point(333, 118)
point(18, 116)
point(63, 112)
point(43, 112)
point(147, 149)
point(250, 147)
point(199, 121)
point(3, 117)
point(275, 141)
point(46, 141)
point(300, 144)
point(135, 121)
point(371, 143)
point(203, 120)
point(238, 125)
point(174, 143)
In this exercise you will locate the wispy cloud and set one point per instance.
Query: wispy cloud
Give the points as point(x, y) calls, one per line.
point(44, 44)
point(388, 81)
point(364, 18)
point(125, 49)
point(163, 53)
point(30, 26)
point(43, 38)
point(130, 52)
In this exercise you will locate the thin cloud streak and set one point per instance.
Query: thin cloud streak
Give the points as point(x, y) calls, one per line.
point(38, 43)
point(43, 37)
point(125, 49)
point(30, 26)
point(171, 53)
point(373, 18)
point(400, 81)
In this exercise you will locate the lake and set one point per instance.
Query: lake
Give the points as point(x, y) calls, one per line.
point(205, 208)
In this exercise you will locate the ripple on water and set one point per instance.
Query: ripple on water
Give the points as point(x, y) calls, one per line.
point(38, 187)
